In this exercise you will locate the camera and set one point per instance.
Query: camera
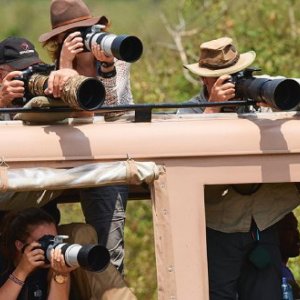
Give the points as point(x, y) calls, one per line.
point(90, 257)
point(79, 92)
point(282, 94)
point(124, 47)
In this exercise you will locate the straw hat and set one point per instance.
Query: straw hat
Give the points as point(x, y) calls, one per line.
point(219, 57)
point(68, 14)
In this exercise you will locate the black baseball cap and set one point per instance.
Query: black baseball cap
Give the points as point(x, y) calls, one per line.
point(18, 53)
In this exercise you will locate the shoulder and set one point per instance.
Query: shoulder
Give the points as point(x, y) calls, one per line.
point(197, 99)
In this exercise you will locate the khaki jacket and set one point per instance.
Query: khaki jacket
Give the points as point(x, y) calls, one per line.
point(230, 211)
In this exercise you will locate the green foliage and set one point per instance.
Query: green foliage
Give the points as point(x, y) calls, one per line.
point(71, 212)
point(294, 263)
point(140, 271)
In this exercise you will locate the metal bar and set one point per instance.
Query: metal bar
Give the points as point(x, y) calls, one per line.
point(133, 107)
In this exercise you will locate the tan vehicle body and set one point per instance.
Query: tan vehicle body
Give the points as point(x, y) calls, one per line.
point(194, 150)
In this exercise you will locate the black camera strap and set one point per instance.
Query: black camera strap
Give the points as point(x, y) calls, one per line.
point(246, 189)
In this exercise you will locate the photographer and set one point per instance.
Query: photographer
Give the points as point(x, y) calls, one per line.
point(24, 272)
point(103, 207)
point(66, 48)
point(244, 259)
point(16, 55)
point(216, 78)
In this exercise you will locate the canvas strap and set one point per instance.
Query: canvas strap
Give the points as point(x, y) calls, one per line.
point(3, 177)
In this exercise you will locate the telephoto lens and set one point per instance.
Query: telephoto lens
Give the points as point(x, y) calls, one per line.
point(79, 92)
point(90, 257)
point(124, 47)
point(282, 94)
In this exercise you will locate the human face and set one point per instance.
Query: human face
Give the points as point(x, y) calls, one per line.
point(209, 83)
point(41, 230)
point(36, 232)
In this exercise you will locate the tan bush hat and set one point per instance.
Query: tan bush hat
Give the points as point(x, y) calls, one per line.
point(219, 57)
point(68, 14)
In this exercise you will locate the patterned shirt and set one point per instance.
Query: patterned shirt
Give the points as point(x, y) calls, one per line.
point(123, 82)
point(118, 90)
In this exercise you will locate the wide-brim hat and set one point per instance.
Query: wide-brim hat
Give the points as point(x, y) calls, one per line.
point(68, 14)
point(219, 57)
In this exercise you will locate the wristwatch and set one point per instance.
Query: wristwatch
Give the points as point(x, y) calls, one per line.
point(60, 278)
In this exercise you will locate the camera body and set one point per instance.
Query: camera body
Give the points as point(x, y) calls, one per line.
point(281, 94)
point(44, 69)
point(90, 257)
point(237, 76)
point(123, 47)
point(49, 242)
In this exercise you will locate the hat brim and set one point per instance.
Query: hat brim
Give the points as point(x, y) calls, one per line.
point(23, 63)
point(245, 60)
point(84, 23)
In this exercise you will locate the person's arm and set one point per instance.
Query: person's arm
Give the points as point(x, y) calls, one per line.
point(11, 89)
point(32, 258)
point(72, 45)
point(123, 83)
point(115, 74)
point(60, 279)
point(107, 74)
point(59, 289)
point(12, 287)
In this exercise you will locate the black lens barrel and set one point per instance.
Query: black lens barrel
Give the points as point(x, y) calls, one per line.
point(93, 257)
point(90, 94)
point(124, 47)
point(282, 93)
point(127, 48)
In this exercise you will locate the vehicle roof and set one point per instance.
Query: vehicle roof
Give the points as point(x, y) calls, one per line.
point(167, 136)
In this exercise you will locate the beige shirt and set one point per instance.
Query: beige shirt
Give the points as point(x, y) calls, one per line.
point(229, 211)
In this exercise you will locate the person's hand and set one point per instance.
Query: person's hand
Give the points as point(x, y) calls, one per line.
point(58, 264)
point(11, 89)
point(221, 91)
point(72, 45)
point(100, 54)
point(102, 57)
point(57, 80)
point(32, 258)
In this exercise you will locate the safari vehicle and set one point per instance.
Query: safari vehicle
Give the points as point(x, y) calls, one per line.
point(167, 158)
